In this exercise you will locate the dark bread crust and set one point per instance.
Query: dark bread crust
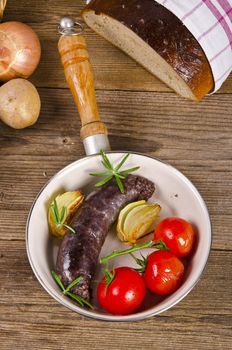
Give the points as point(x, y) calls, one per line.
point(166, 34)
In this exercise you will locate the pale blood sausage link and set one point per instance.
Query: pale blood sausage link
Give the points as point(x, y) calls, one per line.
point(78, 253)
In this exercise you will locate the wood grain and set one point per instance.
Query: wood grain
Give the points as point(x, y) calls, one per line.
point(189, 138)
point(78, 72)
point(112, 68)
point(142, 115)
point(30, 313)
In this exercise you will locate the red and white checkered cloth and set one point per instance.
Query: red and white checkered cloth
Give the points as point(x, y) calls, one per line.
point(210, 22)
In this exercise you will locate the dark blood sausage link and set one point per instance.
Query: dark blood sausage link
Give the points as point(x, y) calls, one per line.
point(78, 253)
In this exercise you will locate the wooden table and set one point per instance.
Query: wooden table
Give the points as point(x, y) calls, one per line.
point(142, 115)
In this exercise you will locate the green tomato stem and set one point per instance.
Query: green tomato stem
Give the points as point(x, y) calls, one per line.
point(159, 245)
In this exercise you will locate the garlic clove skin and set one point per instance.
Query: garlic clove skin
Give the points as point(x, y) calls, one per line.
point(20, 50)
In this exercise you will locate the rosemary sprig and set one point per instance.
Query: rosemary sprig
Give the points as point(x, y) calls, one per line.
point(59, 217)
point(66, 291)
point(159, 245)
point(113, 172)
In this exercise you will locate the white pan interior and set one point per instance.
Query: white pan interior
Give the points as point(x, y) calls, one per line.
point(177, 197)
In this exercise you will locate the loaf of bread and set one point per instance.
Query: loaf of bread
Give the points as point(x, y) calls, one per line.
point(155, 38)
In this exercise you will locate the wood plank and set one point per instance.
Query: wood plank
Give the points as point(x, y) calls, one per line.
point(17, 193)
point(196, 138)
point(189, 138)
point(113, 69)
point(172, 128)
point(31, 319)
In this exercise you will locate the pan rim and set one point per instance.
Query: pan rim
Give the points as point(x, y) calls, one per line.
point(107, 317)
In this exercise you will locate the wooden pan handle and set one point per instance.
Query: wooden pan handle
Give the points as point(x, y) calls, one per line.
point(79, 75)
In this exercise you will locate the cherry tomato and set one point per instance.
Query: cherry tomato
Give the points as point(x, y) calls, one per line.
point(124, 294)
point(164, 272)
point(177, 234)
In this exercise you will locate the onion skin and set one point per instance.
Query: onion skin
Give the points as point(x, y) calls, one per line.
point(20, 50)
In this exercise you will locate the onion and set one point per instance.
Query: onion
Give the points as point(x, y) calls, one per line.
point(136, 220)
point(19, 50)
point(70, 201)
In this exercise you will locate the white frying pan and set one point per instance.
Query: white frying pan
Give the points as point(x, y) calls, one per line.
point(174, 192)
